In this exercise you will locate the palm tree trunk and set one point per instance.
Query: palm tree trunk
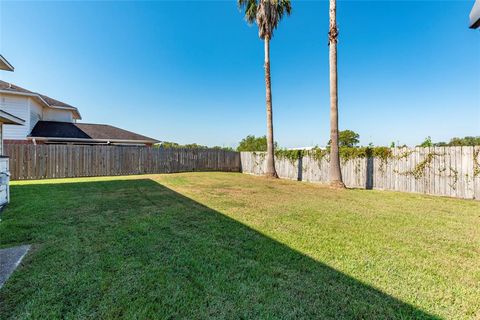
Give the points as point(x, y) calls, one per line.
point(270, 171)
point(335, 172)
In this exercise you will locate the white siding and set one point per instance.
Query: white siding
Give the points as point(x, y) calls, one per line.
point(19, 107)
point(57, 115)
point(1, 139)
point(31, 111)
point(36, 113)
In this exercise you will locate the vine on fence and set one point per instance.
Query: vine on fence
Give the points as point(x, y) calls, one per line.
point(261, 155)
point(291, 155)
point(319, 154)
point(419, 169)
point(404, 155)
point(476, 162)
point(346, 153)
point(453, 185)
point(382, 153)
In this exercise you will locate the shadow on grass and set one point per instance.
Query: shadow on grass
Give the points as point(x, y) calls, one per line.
point(134, 248)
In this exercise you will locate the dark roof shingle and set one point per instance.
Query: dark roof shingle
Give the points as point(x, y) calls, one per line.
point(53, 129)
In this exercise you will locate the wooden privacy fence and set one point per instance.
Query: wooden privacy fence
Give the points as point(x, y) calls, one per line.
point(64, 161)
point(446, 171)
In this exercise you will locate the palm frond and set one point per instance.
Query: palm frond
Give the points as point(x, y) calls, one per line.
point(250, 7)
point(284, 6)
point(266, 13)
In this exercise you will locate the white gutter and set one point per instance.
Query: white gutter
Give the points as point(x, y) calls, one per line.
point(25, 94)
point(8, 118)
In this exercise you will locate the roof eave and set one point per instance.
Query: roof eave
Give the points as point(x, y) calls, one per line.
point(27, 94)
point(475, 15)
point(34, 95)
point(73, 109)
point(91, 140)
point(5, 65)
point(7, 118)
point(475, 24)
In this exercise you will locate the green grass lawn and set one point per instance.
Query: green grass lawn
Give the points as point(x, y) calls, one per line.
point(226, 245)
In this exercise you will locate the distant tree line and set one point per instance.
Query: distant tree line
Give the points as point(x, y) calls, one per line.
point(346, 139)
point(252, 143)
point(174, 145)
point(454, 142)
point(351, 139)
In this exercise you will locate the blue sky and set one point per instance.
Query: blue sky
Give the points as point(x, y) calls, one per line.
point(192, 71)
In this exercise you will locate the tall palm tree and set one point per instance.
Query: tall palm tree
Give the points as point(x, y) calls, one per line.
point(335, 172)
point(267, 14)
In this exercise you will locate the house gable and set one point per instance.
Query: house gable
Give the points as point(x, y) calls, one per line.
point(32, 107)
point(45, 101)
point(19, 107)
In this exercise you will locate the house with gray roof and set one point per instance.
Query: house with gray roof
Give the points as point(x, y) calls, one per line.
point(50, 121)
